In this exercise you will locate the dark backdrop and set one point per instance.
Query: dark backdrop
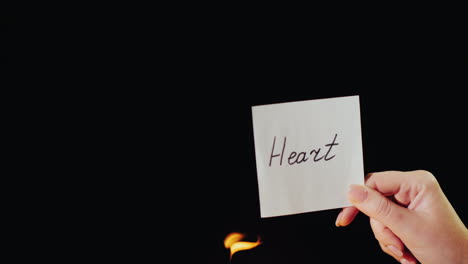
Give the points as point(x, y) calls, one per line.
point(411, 81)
point(413, 117)
point(400, 130)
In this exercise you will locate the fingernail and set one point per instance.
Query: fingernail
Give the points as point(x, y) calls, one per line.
point(357, 193)
point(395, 250)
point(404, 261)
point(338, 218)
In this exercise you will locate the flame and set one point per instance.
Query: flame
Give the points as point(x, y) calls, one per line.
point(232, 241)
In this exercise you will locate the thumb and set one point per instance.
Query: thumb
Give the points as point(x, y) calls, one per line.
point(377, 206)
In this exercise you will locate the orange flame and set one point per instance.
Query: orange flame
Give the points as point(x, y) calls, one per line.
point(232, 241)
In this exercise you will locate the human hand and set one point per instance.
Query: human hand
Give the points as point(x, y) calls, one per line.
point(410, 216)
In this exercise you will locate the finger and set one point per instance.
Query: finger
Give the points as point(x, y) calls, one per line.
point(387, 237)
point(404, 186)
point(346, 216)
point(390, 243)
point(376, 206)
point(407, 257)
point(387, 182)
point(388, 251)
point(392, 183)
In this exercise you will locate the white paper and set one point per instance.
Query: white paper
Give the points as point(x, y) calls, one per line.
point(321, 157)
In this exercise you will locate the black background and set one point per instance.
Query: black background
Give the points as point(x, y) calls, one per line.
point(412, 99)
point(196, 79)
point(204, 71)
point(400, 130)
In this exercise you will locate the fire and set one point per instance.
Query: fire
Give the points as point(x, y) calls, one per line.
point(234, 243)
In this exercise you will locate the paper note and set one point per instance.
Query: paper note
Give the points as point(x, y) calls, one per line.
point(307, 154)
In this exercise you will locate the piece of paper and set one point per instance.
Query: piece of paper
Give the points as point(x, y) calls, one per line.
point(307, 154)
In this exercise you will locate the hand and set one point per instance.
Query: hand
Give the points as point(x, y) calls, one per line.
point(410, 217)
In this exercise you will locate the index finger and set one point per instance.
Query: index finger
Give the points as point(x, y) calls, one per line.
point(387, 182)
point(373, 180)
point(404, 186)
